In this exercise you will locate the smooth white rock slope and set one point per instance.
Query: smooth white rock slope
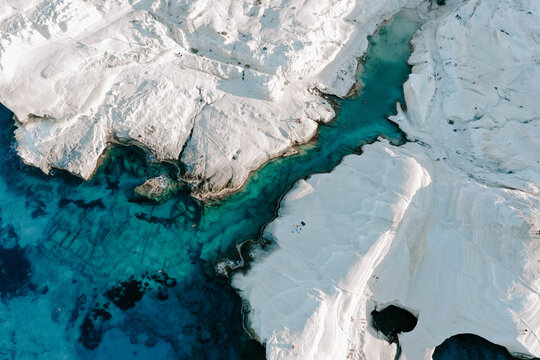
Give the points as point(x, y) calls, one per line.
point(222, 85)
point(446, 227)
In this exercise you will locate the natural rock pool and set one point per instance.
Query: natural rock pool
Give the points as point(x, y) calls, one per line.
point(96, 273)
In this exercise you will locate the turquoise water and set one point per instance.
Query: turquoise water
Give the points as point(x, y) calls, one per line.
point(100, 274)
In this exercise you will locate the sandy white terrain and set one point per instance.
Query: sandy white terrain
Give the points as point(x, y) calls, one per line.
point(446, 227)
point(222, 85)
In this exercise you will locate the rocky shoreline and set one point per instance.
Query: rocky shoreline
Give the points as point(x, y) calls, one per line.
point(219, 92)
point(443, 226)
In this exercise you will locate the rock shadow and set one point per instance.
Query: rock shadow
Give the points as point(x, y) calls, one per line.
point(472, 347)
point(391, 321)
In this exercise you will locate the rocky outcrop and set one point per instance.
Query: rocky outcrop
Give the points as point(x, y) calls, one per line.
point(221, 86)
point(157, 189)
point(446, 227)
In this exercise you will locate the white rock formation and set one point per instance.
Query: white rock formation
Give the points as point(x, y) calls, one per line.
point(159, 188)
point(473, 93)
point(218, 84)
point(447, 227)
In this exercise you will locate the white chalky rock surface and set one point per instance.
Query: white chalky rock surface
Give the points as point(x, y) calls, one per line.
point(446, 227)
point(473, 94)
point(219, 84)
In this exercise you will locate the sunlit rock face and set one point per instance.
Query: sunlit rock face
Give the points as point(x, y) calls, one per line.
point(220, 85)
point(472, 94)
point(394, 227)
point(446, 227)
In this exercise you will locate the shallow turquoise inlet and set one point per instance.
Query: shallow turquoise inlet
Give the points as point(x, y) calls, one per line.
point(91, 273)
point(92, 247)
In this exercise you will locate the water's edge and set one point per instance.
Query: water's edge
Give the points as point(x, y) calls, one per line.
point(101, 274)
point(117, 273)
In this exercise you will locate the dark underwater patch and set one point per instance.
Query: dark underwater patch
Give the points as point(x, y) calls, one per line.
point(92, 327)
point(167, 222)
point(15, 272)
point(81, 203)
point(15, 269)
point(126, 294)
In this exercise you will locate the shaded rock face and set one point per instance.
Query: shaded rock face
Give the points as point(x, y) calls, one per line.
point(393, 320)
point(470, 346)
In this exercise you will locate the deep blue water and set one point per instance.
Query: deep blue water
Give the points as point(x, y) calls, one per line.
point(97, 254)
point(89, 272)
point(470, 346)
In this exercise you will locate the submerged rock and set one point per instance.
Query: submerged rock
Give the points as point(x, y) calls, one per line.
point(92, 328)
point(126, 294)
point(158, 189)
point(15, 272)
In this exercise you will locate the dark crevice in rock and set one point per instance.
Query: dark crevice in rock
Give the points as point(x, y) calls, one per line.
point(393, 320)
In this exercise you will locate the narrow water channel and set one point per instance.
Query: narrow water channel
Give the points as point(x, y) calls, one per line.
point(99, 274)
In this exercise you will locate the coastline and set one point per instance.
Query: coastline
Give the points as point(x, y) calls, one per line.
point(474, 195)
point(217, 175)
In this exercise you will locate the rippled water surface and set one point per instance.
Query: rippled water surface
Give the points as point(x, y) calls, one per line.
point(89, 272)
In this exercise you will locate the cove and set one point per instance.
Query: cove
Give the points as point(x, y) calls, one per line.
point(111, 276)
point(470, 346)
